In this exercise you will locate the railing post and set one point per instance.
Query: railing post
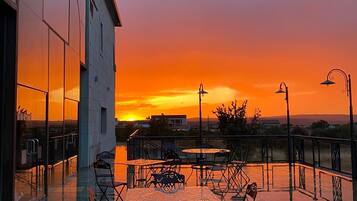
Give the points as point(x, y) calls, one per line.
point(314, 167)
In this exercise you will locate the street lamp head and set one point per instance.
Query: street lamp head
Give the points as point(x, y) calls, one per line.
point(328, 82)
point(201, 90)
point(280, 91)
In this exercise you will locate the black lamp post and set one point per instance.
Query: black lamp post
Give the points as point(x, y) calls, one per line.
point(285, 91)
point(348, 83)
point(201, 92)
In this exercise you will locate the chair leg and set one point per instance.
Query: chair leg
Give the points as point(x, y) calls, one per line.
point(104, 193)
point(188, 178)
point(119, 192)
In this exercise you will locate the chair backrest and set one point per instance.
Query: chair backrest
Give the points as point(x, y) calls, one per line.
point(103, 172)
point(171, 155)
point(105, 155)
point(252, 190)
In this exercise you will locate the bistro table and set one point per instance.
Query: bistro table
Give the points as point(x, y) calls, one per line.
point(140, 163)
point(184, 194)
point(205, 151)
point(202, 151)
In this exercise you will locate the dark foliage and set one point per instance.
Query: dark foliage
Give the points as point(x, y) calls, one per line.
point(233, 119)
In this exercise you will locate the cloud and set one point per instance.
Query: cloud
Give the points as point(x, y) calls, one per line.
point(303, 93)
point(266, 85)
point(170, 99)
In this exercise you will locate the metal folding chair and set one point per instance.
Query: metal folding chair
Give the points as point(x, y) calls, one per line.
point(105, 155)
point(168, 181)
point(104, 178)
point(251, 191)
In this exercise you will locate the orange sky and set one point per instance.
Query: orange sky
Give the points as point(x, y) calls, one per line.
point(239, 49)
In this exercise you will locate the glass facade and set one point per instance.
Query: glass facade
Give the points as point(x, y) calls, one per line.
point(56, 14)
point(50, 35)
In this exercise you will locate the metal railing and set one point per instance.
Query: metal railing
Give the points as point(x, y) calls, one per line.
point(315, 158)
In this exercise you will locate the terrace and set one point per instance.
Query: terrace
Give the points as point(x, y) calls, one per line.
point(321, 169)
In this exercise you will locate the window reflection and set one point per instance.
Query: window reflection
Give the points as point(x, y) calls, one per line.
point(72, 70)
point(56, 14)
point(31, 125)
point(30, 139)
point(34, 5)
point(74, 26)
point(32, 50)
point(81, 4)
point(56, 78)
point(56, 97)
point(71, 127)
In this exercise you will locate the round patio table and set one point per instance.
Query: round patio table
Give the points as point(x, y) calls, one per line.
point(202, 151)
point(205, 151)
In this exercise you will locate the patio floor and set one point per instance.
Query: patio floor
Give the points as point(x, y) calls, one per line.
point(272, 183)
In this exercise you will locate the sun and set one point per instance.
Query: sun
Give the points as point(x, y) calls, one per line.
point(130, 117)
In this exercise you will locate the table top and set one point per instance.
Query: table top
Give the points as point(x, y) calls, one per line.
point(185, 194)
point(205, 151)
point(141, 162)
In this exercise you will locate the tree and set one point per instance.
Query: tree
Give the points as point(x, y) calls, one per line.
point(299, 131)
point(322, 124)
point(254, 125)
point(232, 119)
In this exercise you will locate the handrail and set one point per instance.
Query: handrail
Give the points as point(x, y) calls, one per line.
point(135, 136)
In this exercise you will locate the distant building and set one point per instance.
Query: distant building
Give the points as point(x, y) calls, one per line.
point(135, 124)
point(176, 122)
point(269, 123)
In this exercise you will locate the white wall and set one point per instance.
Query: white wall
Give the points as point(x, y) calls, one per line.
point(97, 86)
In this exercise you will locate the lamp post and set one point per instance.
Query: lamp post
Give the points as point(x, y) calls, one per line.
point(348, 83)
point(285, 91)
point(201, 93)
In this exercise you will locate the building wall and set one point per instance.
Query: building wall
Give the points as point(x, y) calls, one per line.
point(97, 85)
point(7, 99)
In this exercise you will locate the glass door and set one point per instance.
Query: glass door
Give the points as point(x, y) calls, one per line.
point(30, 144)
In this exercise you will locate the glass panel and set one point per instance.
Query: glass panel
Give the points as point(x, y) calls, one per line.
point(346, 165)
point(308, 152)
point(30, 143)
point(55, 111)
point(71, 146)
point(83, 46)
point(72, 74)
point(325, 155)
point(56, 14)
point(280, 150)
point(34, 5)
point(32, 50)
point(82, 12)
point(74, 26)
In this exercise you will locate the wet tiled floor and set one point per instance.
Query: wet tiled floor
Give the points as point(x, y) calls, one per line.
point(272, 182)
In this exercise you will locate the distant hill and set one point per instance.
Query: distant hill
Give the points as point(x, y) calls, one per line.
point(303, 119)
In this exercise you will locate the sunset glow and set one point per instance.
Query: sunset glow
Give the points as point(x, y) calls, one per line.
point(238, 50)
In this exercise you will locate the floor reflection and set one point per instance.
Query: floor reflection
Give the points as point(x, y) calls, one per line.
point(272, 180)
